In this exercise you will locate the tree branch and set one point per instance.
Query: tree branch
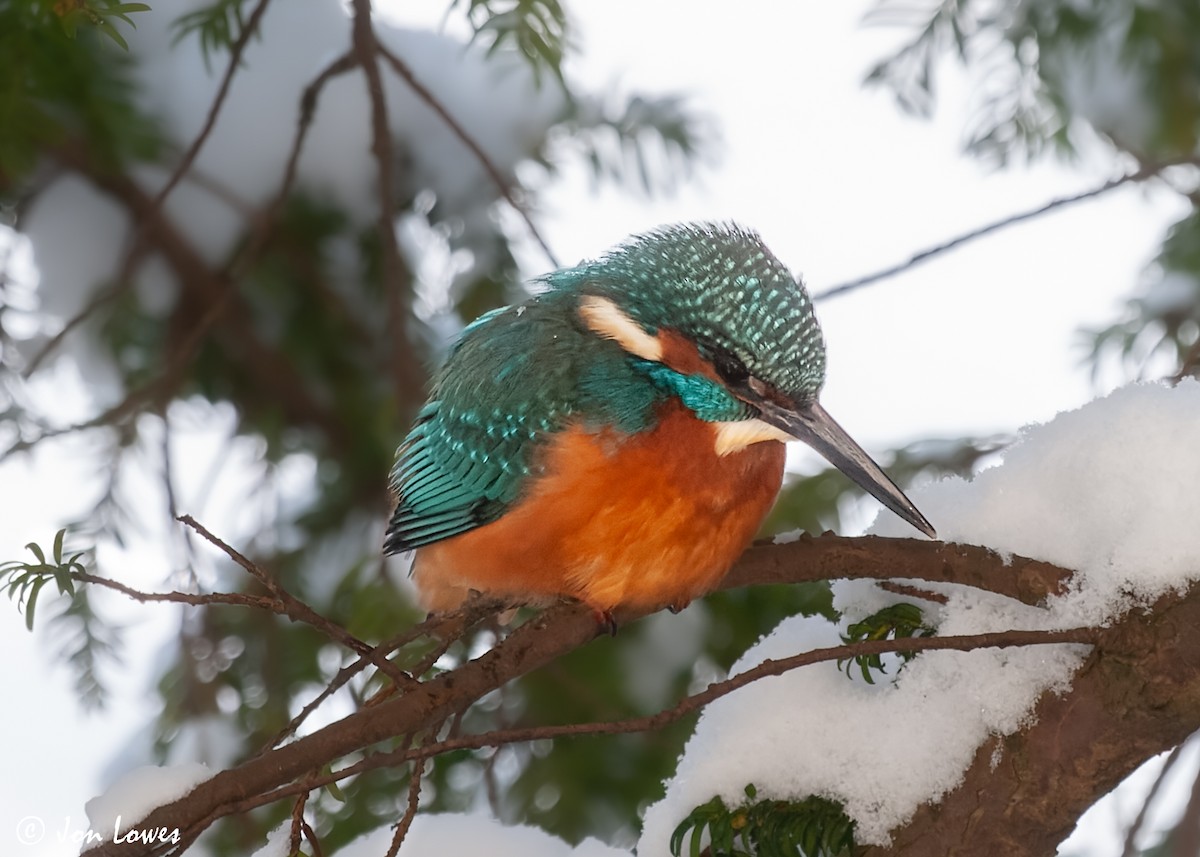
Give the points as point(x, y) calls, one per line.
point(397, 283)
point(830, 557)
point(539, 641)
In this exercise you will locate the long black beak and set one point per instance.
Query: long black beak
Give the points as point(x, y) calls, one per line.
point(812, 424)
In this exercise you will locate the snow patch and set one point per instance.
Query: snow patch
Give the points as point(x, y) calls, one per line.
point(132, 797)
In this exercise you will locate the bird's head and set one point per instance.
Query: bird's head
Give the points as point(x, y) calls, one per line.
point(712, 300)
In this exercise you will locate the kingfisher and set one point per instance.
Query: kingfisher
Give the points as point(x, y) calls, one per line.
point(619, 437)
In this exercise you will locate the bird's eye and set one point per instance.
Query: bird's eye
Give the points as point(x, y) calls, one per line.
point(729, 367)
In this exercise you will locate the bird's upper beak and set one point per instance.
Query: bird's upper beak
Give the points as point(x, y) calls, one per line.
point(812, 424)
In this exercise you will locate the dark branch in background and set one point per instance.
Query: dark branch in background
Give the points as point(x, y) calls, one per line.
point(1130, 847)
point(1145, 173)
point(265, 221)
point(308, 107)
point(401, 68)
point(235, 61)
point(102, 296)
point(397, 284)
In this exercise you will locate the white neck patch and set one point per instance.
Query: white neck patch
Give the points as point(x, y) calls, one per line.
point(607, 319)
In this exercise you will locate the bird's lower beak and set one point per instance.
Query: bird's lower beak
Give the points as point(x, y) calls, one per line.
point(812, 424)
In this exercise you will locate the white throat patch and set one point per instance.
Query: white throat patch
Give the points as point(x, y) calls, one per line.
point(737, 435)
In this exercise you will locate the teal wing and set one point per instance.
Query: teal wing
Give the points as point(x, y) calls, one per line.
point(508, 385)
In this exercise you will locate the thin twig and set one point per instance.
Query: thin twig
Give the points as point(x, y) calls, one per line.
point(283, 604)
point(913, 591)
point(308, 109)
point(1141, 175)
point(156, 388)
point(119, 286)
point(297, 610)
point(297, 822)
point(401, 68)
point(235, 61)
point(449, 628)
point(773, 667)
point(311, 836)
point(194, 599)
point(410, 811)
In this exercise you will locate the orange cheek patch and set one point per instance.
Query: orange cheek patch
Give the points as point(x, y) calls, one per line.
point(680, 354)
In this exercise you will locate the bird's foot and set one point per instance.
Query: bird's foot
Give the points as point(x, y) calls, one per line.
point(606, 622)
point(679, 606)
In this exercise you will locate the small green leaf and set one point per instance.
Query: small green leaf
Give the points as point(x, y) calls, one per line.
point(334, 791)
point(111, 31)
point(31, 600)
point(36, 550)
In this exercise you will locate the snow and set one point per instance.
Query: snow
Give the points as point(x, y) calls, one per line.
point(133, 796)
point(452, 833)
point(1107, 490)
point(278, 842)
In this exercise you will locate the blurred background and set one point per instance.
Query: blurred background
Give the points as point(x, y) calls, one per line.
point(228, 332)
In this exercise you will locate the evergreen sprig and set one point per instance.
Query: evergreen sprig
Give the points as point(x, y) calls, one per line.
point(535, 29)
point(23, 581)
point(217, 26)
point(655, 140)
point(99, 14)
point(897, 622)
point(84, 637)
point(813, 827)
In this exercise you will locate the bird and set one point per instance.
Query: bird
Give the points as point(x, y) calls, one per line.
point(619, 437)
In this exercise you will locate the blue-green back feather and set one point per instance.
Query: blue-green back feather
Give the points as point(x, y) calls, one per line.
point(514, 379)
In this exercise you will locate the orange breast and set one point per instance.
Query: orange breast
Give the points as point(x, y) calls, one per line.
point(645, 520)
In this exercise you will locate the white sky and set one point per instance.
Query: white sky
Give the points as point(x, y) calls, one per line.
point(839, 184)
